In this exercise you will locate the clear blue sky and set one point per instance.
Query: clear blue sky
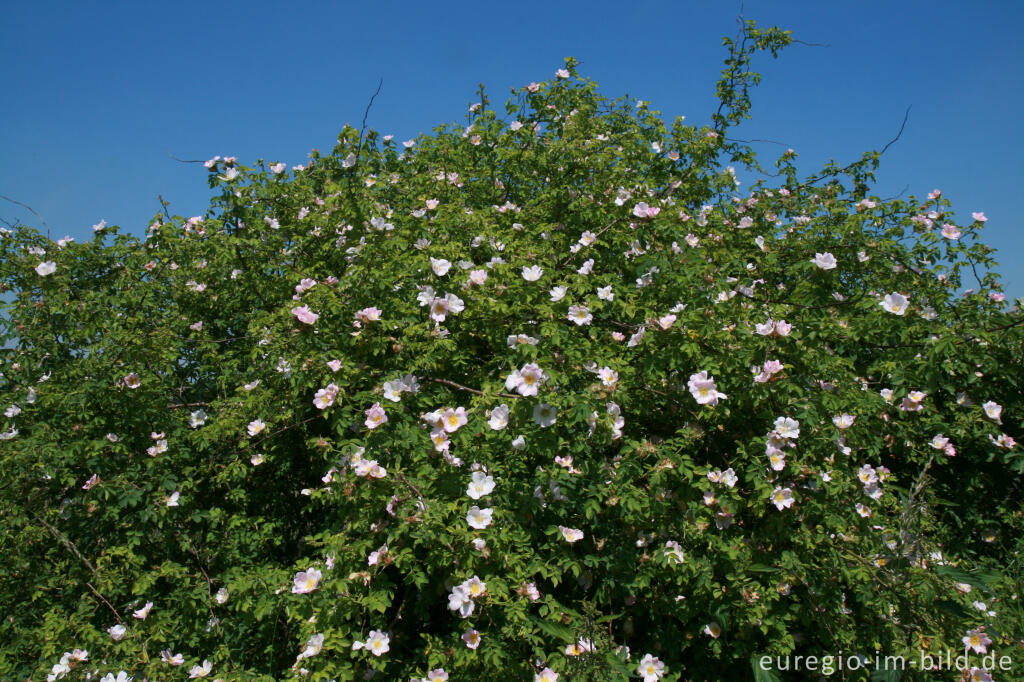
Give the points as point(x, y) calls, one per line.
point(97, 95)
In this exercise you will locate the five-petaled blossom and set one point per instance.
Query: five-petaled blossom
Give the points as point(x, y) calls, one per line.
point(651, 668)
point(580, 314)
point(544, 414)
point(325, 397)
point(895, 303)
point(571, 535)
point(825, 261)
point(377, 643)
point(142, 613)
point(976, 640)
point(782, 498)
point(704, 390)
point(199, 671)
point(440, 266)
point(303, 314)
point(546, 675)
point(306, 581)
point(479, 518)
point(912, 403)
point(375, 416)
point(472, 638)
point(480, 484)
point(499, 418)
point(993, 411)
point(532, 273)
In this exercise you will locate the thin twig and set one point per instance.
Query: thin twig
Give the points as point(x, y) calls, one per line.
point(804, 42)
point(906, 115)
point(366, 115)
point(736, 139)
point(281, 430)
point(369, 104)
point(33, 213)
point(183, 160)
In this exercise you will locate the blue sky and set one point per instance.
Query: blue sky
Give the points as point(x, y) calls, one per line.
point(98, 95)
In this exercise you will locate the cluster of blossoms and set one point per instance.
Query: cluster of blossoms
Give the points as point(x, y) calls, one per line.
point(765, 372)
point(159, 445)
point(727, 478)
point(871, 478)
point(616, 421)
point(773, 328)
point(394, 389)
point(786, 431)
point(443, 422)
point(365, 468)
point(463, 594)
point(66, 664)
point(913, 402)
point(940, 442)
point(440, 307)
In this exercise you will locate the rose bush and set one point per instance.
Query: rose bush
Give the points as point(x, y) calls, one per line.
point(546, 396)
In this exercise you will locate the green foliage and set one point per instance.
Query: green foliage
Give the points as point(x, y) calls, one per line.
point(197, 419)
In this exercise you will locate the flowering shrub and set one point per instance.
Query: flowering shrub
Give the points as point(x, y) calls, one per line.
point(543, 397)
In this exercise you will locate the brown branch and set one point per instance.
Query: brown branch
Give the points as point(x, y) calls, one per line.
point(177, 405)
point(74, 550)
point(411, 487)
point(451, 383)
point(96, 592)
point(67, 543)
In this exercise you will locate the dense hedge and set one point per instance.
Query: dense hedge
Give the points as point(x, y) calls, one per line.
point(548, 396)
